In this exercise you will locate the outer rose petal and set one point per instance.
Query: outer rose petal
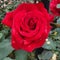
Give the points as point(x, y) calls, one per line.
point(38, 44)
point(25, 6)
point(41, 8)
point(53, 7)
point(8, 20)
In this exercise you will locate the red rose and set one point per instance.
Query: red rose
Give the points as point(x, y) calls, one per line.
point(53, 7)
point(30, 26)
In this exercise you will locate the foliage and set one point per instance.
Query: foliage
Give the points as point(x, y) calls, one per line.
point(51, 46)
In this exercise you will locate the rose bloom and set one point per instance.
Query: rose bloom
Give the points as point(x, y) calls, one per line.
point(54, 7)
point(30, 26)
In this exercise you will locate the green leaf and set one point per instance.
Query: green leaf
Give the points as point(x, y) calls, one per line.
point(5, 48)
point(58, 31)
point(58, 21)
point(46, 55)
point(21, 55)
point(1, 35)
point(50, 45)
point(7, 58)
point(58, 5)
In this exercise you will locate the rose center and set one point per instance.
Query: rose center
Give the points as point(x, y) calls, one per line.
point(32, 24)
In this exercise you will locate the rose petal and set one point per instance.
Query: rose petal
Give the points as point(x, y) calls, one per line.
point(8, 20)
point(53, 7)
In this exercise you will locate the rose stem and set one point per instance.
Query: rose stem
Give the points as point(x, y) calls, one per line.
point(55, 24)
